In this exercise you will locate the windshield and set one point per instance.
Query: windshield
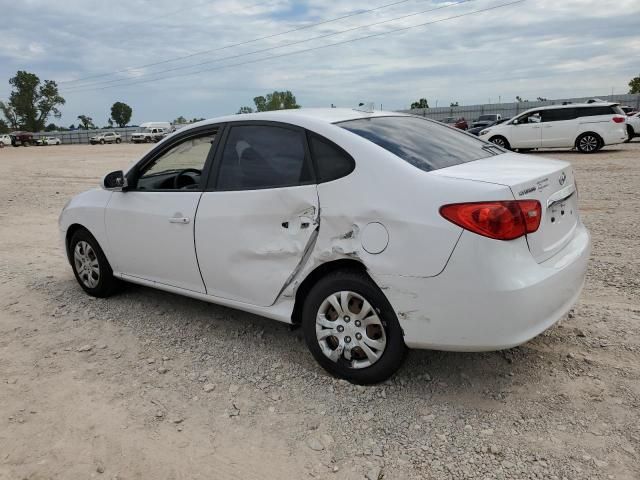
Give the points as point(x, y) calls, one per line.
point(424, 144)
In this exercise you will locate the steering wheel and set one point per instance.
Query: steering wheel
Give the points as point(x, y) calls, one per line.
point(182, 173)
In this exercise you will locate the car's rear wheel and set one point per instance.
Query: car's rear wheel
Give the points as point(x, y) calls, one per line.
point(588, 143)
point(351, 329)
point(90, 266)
point(500, 141)
point(630, 134)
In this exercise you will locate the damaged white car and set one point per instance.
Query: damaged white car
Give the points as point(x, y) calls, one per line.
point(373, 231)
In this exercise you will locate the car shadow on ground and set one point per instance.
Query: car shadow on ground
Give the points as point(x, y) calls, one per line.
point(170, 317)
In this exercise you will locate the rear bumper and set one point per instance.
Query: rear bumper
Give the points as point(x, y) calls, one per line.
point(616, 135)
point(491, 295)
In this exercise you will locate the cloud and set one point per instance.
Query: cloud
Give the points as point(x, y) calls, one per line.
point(536, 48)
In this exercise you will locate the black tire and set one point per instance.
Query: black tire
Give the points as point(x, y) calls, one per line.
point(25, 143)
point(500, 141)
point(630, 134)
point(362, 286)
point(118, 140)
point(524, 150)
point(589, 142)
point(106, 283)
point(102, 142)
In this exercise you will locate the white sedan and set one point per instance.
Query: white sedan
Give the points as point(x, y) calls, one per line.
point(373, 231)
point(633, 126)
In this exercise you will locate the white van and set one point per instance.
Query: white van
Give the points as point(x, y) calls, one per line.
point(586, 127)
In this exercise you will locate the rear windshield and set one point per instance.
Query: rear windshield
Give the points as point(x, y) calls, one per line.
point(423, 143)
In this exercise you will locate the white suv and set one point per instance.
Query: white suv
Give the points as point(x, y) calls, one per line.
point(108, 137)
point(586, 127)
point(5, 140)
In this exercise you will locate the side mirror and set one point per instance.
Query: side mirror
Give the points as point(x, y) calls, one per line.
point(115, 181)
point(515, 122)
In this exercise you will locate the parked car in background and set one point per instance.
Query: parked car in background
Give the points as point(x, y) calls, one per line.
point(460, 123)
point(586, 127)
point(49, 141)
point(21, 139)
point(476, 130)
point(149, 135)
point(108, 137)
point(486, 120)
point(633, 126)
point(5, 140)
point(459, 247)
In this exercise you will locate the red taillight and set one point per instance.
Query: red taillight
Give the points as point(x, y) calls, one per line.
point(502, 220)
point(618, 119)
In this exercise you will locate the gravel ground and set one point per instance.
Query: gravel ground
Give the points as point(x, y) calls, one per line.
point(152, 385)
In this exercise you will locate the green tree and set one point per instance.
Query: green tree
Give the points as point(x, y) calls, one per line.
point(109, 123)
point(86, 122)
point(245, 110)
point(121, 113)
point(52, 127)
point(519, 99)
point(454, 104)
point(542, 99)
point(422, 103)
point(180, 120)
point(31, 102)
point(276, 101)
point(634, 85)
point(194, 120)
point(4, 128)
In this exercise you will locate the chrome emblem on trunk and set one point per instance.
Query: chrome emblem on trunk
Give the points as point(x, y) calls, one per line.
point(563, 178)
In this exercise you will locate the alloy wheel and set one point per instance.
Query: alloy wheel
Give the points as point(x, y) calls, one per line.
point(349, 330)
point(498, 141)
point(588, 143)
point(86, 263)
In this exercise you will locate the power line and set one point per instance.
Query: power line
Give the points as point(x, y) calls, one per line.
point(267, 49)
point(482, 10)
point(246, 42)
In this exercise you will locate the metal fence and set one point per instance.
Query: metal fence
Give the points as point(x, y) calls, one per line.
point(508, 110)
point(82, 136)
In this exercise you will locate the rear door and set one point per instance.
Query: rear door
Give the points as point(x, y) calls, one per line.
point(558, 127)
point(259, 215)
point(527, 132)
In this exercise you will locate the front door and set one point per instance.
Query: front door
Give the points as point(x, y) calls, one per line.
point(527, 133)
point(150, 228)
point(258, 219)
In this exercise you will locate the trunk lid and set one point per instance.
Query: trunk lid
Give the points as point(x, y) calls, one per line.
point(551, 182)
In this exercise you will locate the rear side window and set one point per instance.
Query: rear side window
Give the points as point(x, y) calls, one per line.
point(261, 156)
point(558, 114)
point(424, 144)
point(331, 161)
point(593, 111)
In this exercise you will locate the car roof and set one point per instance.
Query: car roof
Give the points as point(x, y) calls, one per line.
point(303, 116)
point(573, 105)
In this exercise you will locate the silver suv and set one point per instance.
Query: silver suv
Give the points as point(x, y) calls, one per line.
point(108, 137)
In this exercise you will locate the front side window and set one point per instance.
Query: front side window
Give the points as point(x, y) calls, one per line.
point(424, 144)
point(261, 156)
point(180, 168)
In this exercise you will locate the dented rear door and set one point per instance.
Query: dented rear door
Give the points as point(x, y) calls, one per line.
point(260, 216)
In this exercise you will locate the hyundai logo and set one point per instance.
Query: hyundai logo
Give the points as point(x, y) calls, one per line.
point(563, 178)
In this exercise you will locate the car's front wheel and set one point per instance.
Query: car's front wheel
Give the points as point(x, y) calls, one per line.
point(500, 141)
point(118, 140)
point(90, 266)
point(102, 142)
point(351, 329)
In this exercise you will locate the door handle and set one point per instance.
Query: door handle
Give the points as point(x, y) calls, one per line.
point(182, 220)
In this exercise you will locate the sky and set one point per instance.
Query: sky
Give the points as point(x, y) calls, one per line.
point(143, 52)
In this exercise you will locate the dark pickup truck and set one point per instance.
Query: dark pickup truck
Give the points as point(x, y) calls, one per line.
point(21, 138)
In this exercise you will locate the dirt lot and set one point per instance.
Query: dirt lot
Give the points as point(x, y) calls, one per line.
point(148, 385)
